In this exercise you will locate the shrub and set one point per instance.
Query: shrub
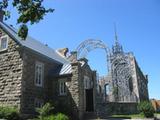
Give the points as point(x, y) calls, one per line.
point(62, 106)
point(45, 111)
point(146, 108)
point(51, 117)
point(61, 116)
point(9, 113)
point(158, 110)
point(58, 116)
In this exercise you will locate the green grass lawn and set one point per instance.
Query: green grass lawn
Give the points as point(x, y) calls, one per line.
point(157, 113)
point(131, 116)
point(128, 116)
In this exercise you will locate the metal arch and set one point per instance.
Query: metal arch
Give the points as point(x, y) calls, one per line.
point(88, 45)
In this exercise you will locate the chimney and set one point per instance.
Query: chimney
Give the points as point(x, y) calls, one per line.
point(85, 60)
point(63, 51)
point(73, 56)
point(1, 15)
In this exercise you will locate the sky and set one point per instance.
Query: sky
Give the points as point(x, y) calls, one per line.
point(74, 21)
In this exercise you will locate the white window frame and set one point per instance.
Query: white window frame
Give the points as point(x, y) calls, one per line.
point(38, 103)
point(5, 36)
point(62, 87)
point(39, 83)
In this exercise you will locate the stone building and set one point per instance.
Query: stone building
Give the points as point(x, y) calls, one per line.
point(124, 87)
point(32, 74)
point(126, 82)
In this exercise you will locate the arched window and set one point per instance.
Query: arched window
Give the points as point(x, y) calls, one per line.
point(106, 89)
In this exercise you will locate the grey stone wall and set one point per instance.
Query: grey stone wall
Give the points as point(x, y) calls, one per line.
point(76, 96)
point(30, 91)
point(10, 74)
point(141, 83)
point(86, 71)
point(105, 109)
point(77, 89)
point(132, 86)
point(74, 90)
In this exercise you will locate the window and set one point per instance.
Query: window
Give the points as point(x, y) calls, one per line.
point(39, 73)
point(62, 87)
point(3, 43)
point(107, 89)
point(38, 103)
point(88, 83)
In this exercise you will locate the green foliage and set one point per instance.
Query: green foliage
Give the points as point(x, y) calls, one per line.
point(9, 113)
point(61, 116)
point(45, 111)
point(51, 117)
point(30, 11)
point(146, 108)
point(23, 31)
point(129, 116)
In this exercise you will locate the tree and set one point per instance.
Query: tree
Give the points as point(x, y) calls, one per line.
point(146, 108)
point(30, 11)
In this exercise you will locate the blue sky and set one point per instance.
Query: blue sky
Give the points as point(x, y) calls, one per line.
point(138, 28)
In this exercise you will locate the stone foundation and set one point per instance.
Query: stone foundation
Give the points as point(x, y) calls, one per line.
point(104, 109)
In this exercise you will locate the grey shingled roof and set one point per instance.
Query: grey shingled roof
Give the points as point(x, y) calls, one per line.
point(38, 47)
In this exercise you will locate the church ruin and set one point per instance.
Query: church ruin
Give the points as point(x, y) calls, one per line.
point(124, 86)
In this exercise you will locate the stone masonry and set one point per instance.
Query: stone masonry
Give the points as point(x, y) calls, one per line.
point(11, 66)
point(29, 90)
point(17, 79)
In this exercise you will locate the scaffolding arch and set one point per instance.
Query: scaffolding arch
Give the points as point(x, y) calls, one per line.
point(90, 44)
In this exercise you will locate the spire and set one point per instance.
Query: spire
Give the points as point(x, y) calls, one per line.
point(115, 32)
point(117, 48)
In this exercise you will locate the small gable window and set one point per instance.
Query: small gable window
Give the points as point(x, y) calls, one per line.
point(3, 43)
point(62, 87)
point(39, 74)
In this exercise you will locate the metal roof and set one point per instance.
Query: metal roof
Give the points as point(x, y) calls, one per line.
point(66, 69)
point(38, 47)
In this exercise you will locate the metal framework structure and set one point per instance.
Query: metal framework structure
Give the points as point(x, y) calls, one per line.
point(88, 45)
point(118, 65)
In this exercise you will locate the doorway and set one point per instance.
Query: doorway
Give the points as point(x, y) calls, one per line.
point(89, 100)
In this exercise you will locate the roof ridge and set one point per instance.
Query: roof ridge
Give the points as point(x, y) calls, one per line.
point(34, 44)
